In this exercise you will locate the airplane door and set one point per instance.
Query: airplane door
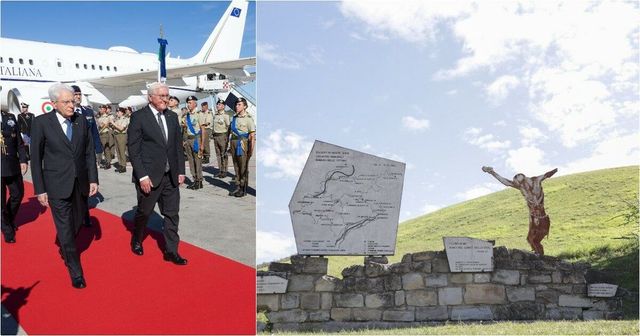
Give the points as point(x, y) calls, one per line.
point(60, 66)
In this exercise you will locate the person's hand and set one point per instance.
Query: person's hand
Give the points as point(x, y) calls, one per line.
point(24, 167)
point(487, 169)
point(93, 189)
point(180, 180)
point(146, 185)
point(43, 199)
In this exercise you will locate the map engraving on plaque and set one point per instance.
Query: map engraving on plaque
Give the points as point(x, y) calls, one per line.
point(271, 283)
point(346, 203)
point(602, 290)
point(469, 254)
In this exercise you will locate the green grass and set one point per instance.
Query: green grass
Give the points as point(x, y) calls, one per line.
point(507, 328)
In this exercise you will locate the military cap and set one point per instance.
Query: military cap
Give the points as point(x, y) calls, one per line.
point(190, 98)
point(220, 101)
point(76, 89)
point(174, 97)
point(205, 103)
point(24, 104)
point(242, 100)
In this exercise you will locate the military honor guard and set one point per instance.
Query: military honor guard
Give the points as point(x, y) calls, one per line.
point(193, 135)
point(106, 135)
point(206, 120)
point(25, 118)
point(242, 144)
point(14, 165)
point(221, 123)
point(119, 127)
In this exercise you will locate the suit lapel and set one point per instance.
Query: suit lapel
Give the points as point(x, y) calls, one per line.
point(154, 120)
point(76, 135)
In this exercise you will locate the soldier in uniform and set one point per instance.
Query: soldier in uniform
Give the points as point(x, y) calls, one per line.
point(89, 114)
point(193, 136)
point(221, 123)
point(24, 121)
point(119, 126)
point(14, 165)
point(206, 119)
point(243, 142)
point(173, 106)
point(106, 135)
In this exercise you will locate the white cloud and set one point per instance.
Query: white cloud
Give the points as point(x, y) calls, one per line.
point(271, 246)
point(452, 92)
point(528, 160)
point(479, 190)
point(284, 153)
point(488, 141)
point(500, 123)
point(415, 124)
point(268, 52)
point(615, 151)
point(530, 135)
point(499, 90)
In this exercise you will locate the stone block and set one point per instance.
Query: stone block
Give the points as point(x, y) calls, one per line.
point(400, 298)
point(346, 285)
point(407, 258)
point(484, 293)
point(449, 296)
point(268, 302)
point(437, 313)
point(506, 277)
point(398, 315)
point(516, 294)
point(461, 278)
point(563, 313)
point(421, 298)
point(364, 314)
point(375, 270)
point(471, 313)
point(376, 259)
point(565, 289)
point(579, 289)
point(326, 283)
point(290, 300)
point(556, 277)
point(440, 265)
point(436, 280)
point(519, 311)
point(523, 279)
point(574, 301)
point(280, 267)
point(424, 256)
point(613, 315)
point(400, 268)
point(294, 315)
point(310, 301)
point(592, 315)
point(300, 283)
point(326, 300)
point(341, 314)
point(369, 285)
point(539, 278)
point(604, 304)
point(422, 266)
point(412, 281)
point(315, 265)
point(378, 300)
point(574, 278)
point(319, 316)
point(392, 282)
point(481, 277)
point(348, 300)
point(547, 296)
point(353, 271)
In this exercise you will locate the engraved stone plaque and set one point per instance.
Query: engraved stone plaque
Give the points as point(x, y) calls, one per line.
point(469, 254)
point(346, 203)
point(271, 282)
point(601, 290)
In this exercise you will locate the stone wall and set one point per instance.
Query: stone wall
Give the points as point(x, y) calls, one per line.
point(421, 289)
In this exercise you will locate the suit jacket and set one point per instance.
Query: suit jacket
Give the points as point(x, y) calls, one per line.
point(148, 151)
point(14, 145)
point(56, 161)
point(88, 113)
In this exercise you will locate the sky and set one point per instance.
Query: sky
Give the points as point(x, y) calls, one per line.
point(446, 87)
point(104, 24)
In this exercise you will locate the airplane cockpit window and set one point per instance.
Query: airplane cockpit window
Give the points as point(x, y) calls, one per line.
point(11, 60)
point(77, 66)
point(210, 76)
point(30, 62)
point(20, 61)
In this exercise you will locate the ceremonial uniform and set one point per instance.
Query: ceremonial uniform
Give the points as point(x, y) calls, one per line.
point(241, 127)
point(13, 154)
point(120, 137)
point(24, 123)
point(206, 119)
point(106, 137)
point(221, 123)
point(191, 129)
point(89, 114)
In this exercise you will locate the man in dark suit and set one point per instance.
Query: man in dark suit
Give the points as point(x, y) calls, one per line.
point(154, 140)
point(14, 165)
point(89, 114)
point(64, 172)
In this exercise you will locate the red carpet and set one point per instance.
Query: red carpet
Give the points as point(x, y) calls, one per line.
point(125, 294)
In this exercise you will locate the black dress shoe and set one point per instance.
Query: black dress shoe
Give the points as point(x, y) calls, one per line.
point(136, 248)
point(10, 240)
point(87, 223)
point(193, 186)
point(200, 185)
point(233, 192)
point(175, 258)
point(78, 282)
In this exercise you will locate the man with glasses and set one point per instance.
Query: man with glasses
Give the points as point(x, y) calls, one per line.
point(154, 141)
point(64, 172)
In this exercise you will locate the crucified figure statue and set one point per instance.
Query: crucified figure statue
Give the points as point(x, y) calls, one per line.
point(531, 189)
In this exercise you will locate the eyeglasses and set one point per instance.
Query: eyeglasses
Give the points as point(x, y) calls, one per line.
point(65, 102)
point(162, 96)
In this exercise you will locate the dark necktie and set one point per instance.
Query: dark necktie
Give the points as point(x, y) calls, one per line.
point(69, 132)
point(161, 123)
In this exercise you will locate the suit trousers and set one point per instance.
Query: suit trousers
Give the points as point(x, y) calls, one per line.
point(240, 164)
point(195, 163)
point(168, 198)
point(10, 208)
point(220, 145)
point(68, 214)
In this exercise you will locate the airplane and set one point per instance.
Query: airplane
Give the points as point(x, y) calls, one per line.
point(120, 75)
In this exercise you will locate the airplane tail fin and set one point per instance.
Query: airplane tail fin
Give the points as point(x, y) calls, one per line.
point(225, 41)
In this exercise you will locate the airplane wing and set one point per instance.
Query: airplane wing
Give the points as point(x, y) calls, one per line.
point(230, 68)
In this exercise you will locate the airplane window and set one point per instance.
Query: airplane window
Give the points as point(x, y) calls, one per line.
point(210, 76)
point(77, 66)
point(30, 62)
point(85, 67)
point(100, 67)
point(1, 59)
point(115, 69)
point(11, 60)
point(93, 67)
point(59, 64)
point(108, 68)
point(141, 69)
point(21, 61)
